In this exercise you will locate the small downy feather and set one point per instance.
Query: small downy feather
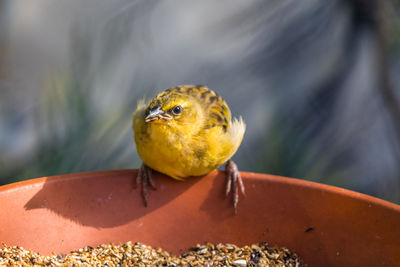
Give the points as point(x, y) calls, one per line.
point(236, 130)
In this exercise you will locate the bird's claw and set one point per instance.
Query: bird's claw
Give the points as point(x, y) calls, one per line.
point(234, 182)
point(144, 178)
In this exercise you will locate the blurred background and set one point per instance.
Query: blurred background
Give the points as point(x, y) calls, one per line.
point(316, 82)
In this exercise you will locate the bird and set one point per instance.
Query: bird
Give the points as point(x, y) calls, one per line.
point(187, 131)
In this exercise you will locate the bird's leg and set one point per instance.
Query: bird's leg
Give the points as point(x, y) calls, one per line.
point(234, 182)
point(144, 178)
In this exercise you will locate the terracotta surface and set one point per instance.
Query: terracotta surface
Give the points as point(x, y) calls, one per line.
point(326, 226)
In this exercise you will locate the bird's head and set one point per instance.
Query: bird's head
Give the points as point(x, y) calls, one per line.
point(176, 110)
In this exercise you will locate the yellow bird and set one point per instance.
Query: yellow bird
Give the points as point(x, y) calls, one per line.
point(187, 131)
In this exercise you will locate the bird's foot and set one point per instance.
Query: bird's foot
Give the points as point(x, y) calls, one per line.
point(234, 182)
point(145, 180)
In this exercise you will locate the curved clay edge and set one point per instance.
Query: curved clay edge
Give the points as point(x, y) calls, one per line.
point(246, 175)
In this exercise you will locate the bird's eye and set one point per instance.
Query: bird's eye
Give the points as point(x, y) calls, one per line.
point(177, 110)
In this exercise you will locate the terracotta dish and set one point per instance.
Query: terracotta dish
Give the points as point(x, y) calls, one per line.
point(324, 225)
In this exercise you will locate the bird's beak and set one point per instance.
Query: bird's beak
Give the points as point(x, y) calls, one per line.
point(156, 113)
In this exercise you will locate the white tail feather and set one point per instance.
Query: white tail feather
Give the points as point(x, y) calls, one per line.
point(236, 131)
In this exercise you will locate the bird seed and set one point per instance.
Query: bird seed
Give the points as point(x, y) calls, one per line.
point(137, 254)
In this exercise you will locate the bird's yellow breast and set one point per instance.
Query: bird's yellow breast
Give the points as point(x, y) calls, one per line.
point(185, 147)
